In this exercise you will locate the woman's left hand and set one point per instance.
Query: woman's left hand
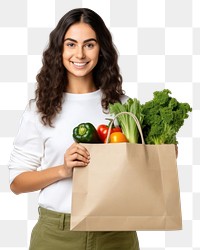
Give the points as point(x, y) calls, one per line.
point(176, 150)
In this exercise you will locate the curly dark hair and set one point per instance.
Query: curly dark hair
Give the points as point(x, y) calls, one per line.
point(52, 78)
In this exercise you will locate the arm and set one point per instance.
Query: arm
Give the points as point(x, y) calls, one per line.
point(35, 180)
point(75, 156)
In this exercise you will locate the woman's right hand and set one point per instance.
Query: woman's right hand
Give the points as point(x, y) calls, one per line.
point(75, 156)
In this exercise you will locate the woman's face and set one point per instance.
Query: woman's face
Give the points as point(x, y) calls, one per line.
point(80, 50)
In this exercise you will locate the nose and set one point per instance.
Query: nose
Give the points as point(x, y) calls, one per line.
point(80, 54)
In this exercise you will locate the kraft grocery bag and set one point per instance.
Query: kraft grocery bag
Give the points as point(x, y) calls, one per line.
point(127, 187)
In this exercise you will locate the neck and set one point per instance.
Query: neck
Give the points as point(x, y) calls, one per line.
point(80, 85)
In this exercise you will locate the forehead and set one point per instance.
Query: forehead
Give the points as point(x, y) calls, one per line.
point(80, 31)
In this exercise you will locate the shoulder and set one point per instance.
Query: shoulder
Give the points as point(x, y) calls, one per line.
point(31, 108)
point(31, 112)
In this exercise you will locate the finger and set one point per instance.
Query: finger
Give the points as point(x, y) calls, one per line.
point(75, 163)
point(176, 150)
point(78, 157)
point(80, 150)
point(79, 164)
point(83, 149)
point(79, 147)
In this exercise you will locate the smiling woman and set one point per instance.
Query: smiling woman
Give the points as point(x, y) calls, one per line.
point(79, 78)
point(80, 56)
point(105, 74)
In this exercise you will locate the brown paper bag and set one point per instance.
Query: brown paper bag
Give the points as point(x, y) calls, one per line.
point(127, 187)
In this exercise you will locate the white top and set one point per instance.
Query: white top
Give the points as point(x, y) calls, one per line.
point(37, 145)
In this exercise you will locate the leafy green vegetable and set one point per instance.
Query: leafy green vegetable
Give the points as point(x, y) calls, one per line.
point(163, 117)
point(126, 122)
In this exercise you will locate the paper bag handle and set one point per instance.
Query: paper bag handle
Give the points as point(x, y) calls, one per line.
point(136, 121)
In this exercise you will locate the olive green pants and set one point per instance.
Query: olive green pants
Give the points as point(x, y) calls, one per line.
point(52, 233)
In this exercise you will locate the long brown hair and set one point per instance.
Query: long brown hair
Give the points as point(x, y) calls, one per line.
point(52, 78)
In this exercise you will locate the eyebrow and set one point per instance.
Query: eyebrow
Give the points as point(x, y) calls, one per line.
point(85, 41)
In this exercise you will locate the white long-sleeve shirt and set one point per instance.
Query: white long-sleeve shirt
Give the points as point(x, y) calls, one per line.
point(37, 145)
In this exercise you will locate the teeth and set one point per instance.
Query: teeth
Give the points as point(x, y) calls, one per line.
point(79, 64)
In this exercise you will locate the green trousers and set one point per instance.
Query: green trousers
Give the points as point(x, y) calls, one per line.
point(52, 233)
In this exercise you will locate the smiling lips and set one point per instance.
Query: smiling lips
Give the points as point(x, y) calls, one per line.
point(79, 65)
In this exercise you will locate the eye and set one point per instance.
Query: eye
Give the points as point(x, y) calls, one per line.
point(89, 45)
point(70, 45)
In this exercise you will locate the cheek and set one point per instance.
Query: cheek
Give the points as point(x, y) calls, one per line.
point(97, 59)
point(65, 59)
point(95, 56)
point(66, 55)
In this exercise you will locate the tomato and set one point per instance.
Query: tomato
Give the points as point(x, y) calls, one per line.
point(103, 131)
point(117, 137)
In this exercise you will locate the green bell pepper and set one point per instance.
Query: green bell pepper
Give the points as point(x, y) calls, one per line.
point(86, 133)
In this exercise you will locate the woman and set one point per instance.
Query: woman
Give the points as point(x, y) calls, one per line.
point(79, 78)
